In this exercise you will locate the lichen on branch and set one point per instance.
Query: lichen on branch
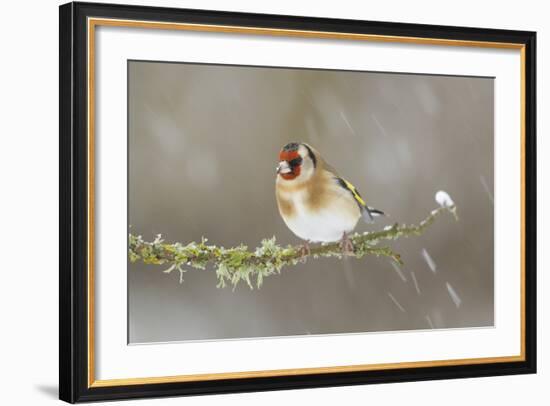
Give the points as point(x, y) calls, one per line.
point(239, 264)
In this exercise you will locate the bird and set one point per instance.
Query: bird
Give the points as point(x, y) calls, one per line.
point(315, 202)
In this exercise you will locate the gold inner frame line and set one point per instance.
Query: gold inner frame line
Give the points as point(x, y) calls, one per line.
point(94, 22)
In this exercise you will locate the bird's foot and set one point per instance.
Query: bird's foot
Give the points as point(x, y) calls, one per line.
point(305, 251)
point(346, 245)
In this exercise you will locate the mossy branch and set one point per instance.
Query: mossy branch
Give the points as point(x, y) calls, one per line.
point(237, 264)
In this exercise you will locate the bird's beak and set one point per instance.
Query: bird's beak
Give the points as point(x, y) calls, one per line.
point(283, 167)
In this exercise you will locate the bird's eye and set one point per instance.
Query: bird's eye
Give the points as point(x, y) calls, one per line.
point(295, 162)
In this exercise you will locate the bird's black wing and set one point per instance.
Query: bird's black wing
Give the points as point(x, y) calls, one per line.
point(366, 212)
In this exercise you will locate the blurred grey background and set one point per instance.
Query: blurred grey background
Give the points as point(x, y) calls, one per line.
point(203, 146)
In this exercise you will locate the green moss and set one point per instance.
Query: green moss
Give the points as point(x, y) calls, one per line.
point(239, 264)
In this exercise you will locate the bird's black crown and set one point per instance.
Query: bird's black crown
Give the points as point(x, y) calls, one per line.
point(291, 146)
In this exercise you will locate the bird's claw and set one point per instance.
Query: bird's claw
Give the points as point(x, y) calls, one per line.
point(305, 251)
point(346, 245)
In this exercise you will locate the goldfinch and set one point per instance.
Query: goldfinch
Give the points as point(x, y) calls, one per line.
point(316, 204)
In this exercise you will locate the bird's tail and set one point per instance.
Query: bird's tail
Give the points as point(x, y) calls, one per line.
point(376, 212)
point(370, 213)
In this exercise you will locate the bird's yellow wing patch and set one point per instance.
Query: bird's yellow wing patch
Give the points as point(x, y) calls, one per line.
point(353, 191)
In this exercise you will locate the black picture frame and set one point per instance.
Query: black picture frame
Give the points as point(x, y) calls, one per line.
point(73, 284)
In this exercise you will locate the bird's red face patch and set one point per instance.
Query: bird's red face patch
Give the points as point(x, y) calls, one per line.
point(290, 156)
point(291, 175)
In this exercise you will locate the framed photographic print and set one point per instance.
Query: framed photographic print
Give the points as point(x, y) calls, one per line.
point(257, 202)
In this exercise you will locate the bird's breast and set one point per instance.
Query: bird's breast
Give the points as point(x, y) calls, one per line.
point(325, 222)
